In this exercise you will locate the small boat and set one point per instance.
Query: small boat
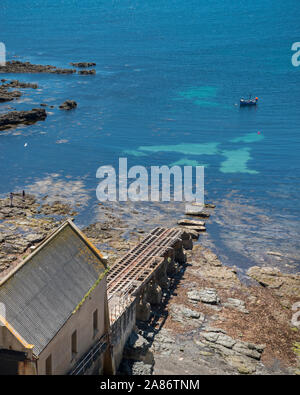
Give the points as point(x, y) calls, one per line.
point(248, 102)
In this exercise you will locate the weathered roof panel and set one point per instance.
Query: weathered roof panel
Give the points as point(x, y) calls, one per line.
point(41, 295)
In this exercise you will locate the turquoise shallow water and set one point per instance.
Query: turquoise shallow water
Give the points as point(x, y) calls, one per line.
point(169, 77)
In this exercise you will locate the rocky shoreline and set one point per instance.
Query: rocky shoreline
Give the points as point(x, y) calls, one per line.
point(209, 322)
point(16, 66)
point(25, 223)
point(212, 323)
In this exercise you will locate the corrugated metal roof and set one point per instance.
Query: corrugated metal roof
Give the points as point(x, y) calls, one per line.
point(42, 294)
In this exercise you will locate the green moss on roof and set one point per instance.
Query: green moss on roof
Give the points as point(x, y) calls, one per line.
point(91, 289)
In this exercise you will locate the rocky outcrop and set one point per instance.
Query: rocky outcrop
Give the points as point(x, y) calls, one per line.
point(19, 84)
point(15, 118)
point(135, 368)
point(7, 95)
point(68, 105)
point(236, 304)
point(206, 265)
point(196, 211)
point(83, 64)
point(190, 222)
point(239, 354)
point(186, 316)
point(283, 285)
point(16, 66)
point(87, 72)
point(204, 295)
point(197, 228)
point(23, 225)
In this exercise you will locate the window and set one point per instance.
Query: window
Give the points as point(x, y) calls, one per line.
point(74, 343)
point(49, 366)
point(95, 322)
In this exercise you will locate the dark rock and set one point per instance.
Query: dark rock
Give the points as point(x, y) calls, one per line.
point(15, 248)
point(68, 105)
point(7, 95)
point(209, 205)
point(19, 84)
point(14, 118)
point(193, 233)
point(87, 72)
point(16, 66)
point(83, 64)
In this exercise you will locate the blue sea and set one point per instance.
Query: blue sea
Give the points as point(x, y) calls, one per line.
point(169, 78)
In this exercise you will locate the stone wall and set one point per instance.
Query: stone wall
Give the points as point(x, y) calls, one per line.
point(120, 332)
point(152, 292)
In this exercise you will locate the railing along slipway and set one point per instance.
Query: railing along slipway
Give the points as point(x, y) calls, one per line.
point(87, 360)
